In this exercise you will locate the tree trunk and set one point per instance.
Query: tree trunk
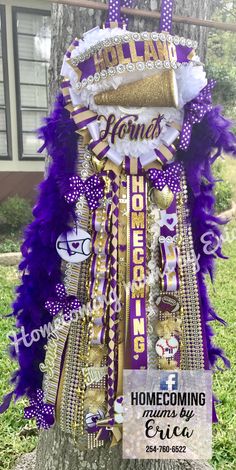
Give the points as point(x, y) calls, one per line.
point(56, 450)
point(70, 22)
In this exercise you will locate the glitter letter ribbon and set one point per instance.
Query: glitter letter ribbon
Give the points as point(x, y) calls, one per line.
point(136, 240)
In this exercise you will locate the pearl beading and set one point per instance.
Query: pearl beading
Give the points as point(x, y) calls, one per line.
point(121, 39)
point(131, 67)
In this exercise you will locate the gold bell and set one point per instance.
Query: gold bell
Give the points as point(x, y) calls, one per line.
point(162, 199)
point(159, 90)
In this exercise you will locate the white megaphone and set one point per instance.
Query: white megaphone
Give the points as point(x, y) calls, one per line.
point(74, 246)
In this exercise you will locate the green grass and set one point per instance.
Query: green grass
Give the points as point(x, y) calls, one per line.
point(13, 428)
point(224, 300)
point(15, 433)
point(230, 173)
point(10, 242)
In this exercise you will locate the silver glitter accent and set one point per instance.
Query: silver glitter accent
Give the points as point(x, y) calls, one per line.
point(174, 65)
point(121, 68)
point(145, 36)
point(150, 64)
point(136, 36)
point(103, 74)
point(176, 40)
point(140, 66)
point(154, 36)
point(96, 77)
point(162, 37)
point(84, 82)
point(130, 67)
point(111, 70)
point(127, 38)
point(107, 42)
point(158, 64)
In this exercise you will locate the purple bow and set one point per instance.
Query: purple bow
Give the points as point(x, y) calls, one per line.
point(43, 413)
point(170, 176)
point(92, 189)
point(194, 112)
point(64, 302)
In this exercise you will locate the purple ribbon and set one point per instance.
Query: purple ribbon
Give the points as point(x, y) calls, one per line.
point(166, 15)
point(194, 112)
point(43, 413)
point(92, 189)
point(62, 301)
point(170, 176)
point(88, 66)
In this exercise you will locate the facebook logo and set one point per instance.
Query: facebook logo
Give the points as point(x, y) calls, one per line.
point(169, 381)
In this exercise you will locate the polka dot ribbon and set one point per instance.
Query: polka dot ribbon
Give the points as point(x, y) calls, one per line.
point(114, 12)
point(114, 15)
point(166, 15)
point(64, 302)
point(43, 413)
point(170, 176)
point(92, 189)
point(194, 112)
point(127, 4)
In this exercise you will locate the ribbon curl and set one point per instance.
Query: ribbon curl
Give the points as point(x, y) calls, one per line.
point(194, 112)
point(43, 412)
point(64, 302)
point(92, 189)
point(170, 176)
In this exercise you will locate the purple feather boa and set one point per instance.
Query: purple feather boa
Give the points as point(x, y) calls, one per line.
point(213, 133)
point(41, 264)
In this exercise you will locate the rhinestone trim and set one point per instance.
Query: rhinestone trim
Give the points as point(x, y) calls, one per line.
point(145, 36)
point(121, 68)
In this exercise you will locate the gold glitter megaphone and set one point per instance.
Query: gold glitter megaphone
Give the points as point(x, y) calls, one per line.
point(159, 90)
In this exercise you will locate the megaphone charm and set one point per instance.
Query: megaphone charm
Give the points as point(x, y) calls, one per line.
point(159, 90)
point(74, 246)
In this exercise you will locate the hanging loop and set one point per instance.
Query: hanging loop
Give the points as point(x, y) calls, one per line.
point(114, 17)
point(166, 15)
point(127, 4)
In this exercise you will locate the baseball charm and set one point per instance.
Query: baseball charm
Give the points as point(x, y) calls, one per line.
point(167, 347)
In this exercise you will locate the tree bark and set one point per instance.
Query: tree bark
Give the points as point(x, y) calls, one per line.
point(70, 22)
point(56, 450)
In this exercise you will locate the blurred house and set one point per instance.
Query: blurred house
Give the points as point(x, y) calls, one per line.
point(24, 62)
